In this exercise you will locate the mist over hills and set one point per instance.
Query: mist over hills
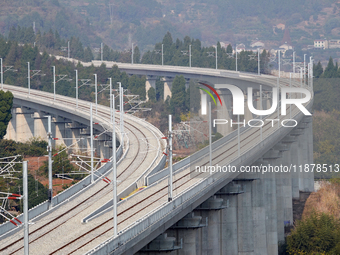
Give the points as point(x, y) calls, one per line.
point(118, 23)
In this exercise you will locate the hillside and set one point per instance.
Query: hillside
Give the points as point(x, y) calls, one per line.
point(144, 22)
point(47, 14)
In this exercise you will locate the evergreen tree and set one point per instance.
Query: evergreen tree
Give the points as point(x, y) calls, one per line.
point(317, 70)
point(88, 56)
point(106, 53)
point(167, 40)
point(6, 103)
point(195, 97)
point(229, 49)
point(330, 69)
point(12, 55)
point(177, 101)
point(152, 94)
point(29, 36)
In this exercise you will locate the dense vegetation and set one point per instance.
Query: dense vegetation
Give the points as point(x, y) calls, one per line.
point(177, 53)
point(319, 230)
point(6, 103)
point(18, 56)
point(317, 234)
point(327, 115)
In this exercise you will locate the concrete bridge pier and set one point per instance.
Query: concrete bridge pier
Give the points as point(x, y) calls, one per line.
point(224, 112)
point(309, 139)
point(258, 102)
point(85, 142)
point(280, 191)
point(40, 125)
point(209, 237)
point(229, 243)
point(266, 100)
point(287, 185)
point(59, 131)
point(11, 128)
point(103, 151)
point(24, 124)
point(167, 86)
point(150, 83)
point(245, 227)
point(259, 211)
point(75, 134)
point(161, 244)
point(186, 230)
point(305, 149)
point(269, 182)
point(301, 159)
point(294, 161)
point(68, 133)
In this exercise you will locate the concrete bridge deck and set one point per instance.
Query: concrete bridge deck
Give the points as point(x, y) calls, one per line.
point(143, 151)
point(147, 214)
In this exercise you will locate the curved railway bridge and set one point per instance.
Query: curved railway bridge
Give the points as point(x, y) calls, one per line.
point(221, 213)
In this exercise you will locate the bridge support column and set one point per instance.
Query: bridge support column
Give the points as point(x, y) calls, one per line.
point(24, 125)
point(103, 151)
point(150, 83)
point(292, 159)
point(271, 203)
point(39, 126)
point(210, 236)
point(281, 187)
point(229, 243)
point(267, 100)
point(186, 229)
point(247, 113)
point(310, 160)
point(59, 133)
point(259, 210)
point(167, 86)
point(161, 244)
point(11, 133)
point(225, 112)
point(245, 228)
point(287, 186)
point(258, 102)
point(75, 136)
point(305, 152)
point(299, 157)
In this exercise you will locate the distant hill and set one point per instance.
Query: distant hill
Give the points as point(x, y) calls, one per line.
point(144, 22)
point(47, 14)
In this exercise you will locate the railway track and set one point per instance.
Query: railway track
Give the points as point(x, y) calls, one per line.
point(99, 196)
point(138, 206)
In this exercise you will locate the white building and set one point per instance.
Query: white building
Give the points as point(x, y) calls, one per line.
point(320, 44)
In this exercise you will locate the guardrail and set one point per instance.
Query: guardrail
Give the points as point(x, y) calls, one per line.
point(148, 223)
point(71, 192)
point(65, 195)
